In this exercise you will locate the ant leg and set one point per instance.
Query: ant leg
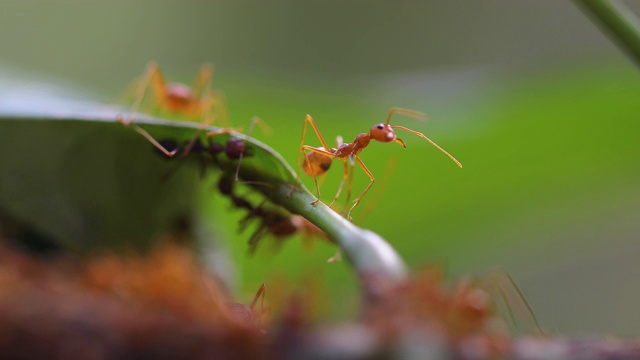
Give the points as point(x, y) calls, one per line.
point(202, 80)
point(364, 167)
point(406, 112)
point(254, 121)
point(377, 192)
point(308, 119)
point(262, 292)
point(335, 258)
point(212, 102)
point(314, 203)
point(255, 238)
point(252, 125)
point(322, 152)
point(349, 189)
point(153, 79)
point(193, 140)
point(508, 298)
point(155, 142)
point(319, 151)
point(344, 179)
point(339, 143)
point(429, 140)
point(318, 186)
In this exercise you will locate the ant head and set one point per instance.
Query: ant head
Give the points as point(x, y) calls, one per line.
point(384, 133)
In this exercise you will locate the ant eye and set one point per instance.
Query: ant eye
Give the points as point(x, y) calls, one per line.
point(380, 126)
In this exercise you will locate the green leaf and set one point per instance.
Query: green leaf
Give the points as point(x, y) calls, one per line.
point(87, 181)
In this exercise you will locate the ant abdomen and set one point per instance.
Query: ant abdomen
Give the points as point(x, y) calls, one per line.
point(316, 164)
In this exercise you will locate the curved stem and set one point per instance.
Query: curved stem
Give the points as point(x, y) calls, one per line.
point(620, 22)
point(369, 253)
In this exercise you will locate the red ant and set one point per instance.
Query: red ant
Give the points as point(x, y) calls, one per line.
point(196, 102)
point(318, 159)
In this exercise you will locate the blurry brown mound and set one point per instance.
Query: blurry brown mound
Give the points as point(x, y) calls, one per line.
point(162, 305)
point(458, 320)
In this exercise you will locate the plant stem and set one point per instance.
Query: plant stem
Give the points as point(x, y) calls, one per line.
point(620, 22)
point(373, 258)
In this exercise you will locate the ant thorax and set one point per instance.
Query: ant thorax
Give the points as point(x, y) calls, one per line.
point(359, 143)
point(343, 150)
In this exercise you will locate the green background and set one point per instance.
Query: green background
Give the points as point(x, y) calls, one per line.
point(538, 105)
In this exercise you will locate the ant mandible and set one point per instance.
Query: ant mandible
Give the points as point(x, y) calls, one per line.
point(318, 159)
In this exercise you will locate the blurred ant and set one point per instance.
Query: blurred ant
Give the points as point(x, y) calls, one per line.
point(247, 313)
point(318, 159)
point(196, 102)
point(278, 223)
point(226, 186)
point(235, 148)
point(282, 225)
point(509, 301)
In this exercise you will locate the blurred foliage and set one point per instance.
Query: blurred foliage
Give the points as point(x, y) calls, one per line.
point(538, 105)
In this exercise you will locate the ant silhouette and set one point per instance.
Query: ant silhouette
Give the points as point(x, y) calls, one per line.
point(318, 159)
point(196, 102)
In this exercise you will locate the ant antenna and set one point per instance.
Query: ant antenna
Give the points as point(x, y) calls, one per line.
point(429, 140)
point(418, 116)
